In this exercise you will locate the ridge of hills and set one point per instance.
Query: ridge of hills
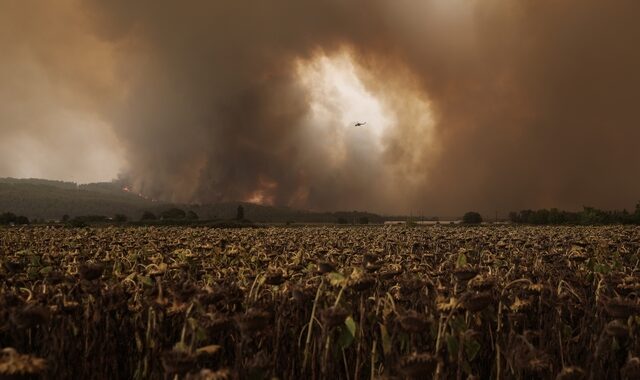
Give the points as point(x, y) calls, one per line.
point(50, 200)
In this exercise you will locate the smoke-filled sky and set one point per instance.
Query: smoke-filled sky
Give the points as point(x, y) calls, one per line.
point(470, 104)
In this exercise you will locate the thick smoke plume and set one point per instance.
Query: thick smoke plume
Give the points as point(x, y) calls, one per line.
point(530, 103)
point(56, 79)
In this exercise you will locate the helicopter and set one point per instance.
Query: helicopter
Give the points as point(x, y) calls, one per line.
point(358, 124)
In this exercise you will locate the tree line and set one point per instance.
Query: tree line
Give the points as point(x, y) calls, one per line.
point(587, 216)
point(9, 218)
point(553, 216)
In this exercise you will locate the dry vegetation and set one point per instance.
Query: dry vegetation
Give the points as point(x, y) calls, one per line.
point(349, 303)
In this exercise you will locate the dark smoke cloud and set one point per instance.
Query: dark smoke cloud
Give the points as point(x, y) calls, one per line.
point(533, 102)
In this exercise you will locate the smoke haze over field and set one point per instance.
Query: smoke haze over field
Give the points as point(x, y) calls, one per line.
point(487, 105)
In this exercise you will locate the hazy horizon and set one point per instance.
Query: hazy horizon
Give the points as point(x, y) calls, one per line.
point(469, 105)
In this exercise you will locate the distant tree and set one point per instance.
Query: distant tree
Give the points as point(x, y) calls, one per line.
point(7, 218)
point(148, 215)
point(635, 217)
point(526, 216)
point(540, 217)
point(120, 218)
point(77, 223)
point(173, 213)
point(363, 220)
point(472, 217)
point(591, 216)
point(191, 215)
point(342, 220)
point(11, 218)
point(240, 213)
point(21, 220)
point(65, 218)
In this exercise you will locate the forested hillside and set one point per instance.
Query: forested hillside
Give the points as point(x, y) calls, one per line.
point(51, 200)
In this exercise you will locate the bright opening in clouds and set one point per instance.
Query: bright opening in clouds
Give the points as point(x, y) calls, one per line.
point(338, 95)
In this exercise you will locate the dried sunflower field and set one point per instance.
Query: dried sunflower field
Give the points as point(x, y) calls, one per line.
point(320, 302)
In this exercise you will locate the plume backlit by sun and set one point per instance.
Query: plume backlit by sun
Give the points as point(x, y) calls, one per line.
point(339, 96)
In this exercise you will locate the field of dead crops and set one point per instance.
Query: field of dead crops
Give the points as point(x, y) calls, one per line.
point(320, 302)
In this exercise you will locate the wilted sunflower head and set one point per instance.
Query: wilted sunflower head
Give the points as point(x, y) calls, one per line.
point(91, 271)
point(185, 292)
point(216, 323)
point(521, 305)
point(14, 364)
point(372, 267)
point(409, 286)
point(301, 295)
point(178, 361)
point(621, 307)
point(617, 328)
point(333, 316)
point(482, 283)
point(30, 316)
point(418, 366)
point(207, 374)
point(539, 363)
point(571, 373)
point(362, 283)
point(475, 302)
point(631, 369)
point(533, 289)
point(527, 357)
point(369, 258)
point(628, 287)
point(413, 322)
point(275, 277)
point(259, 362)
point(11, 299)
point(211, 297)
point(391, 272)
point(326, 267)
point(253, 320)
point(55, 277)
point(13, 265)
point(465, 274)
